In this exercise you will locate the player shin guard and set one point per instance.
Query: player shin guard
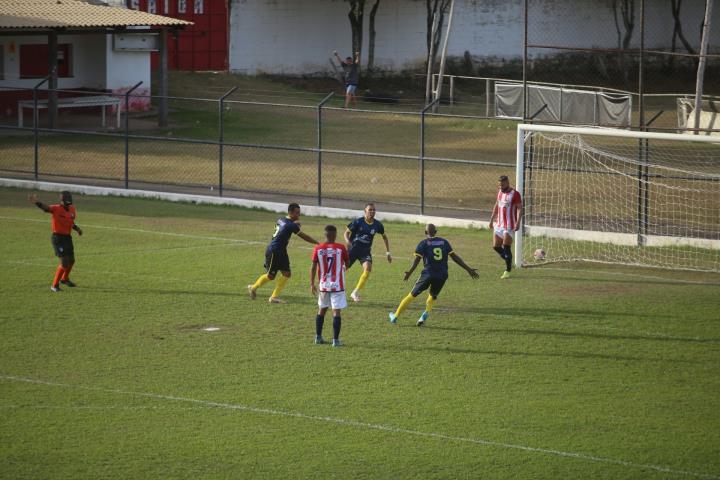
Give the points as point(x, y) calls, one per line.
point(361, 281)
point(279, 285)
point(319, 321)
point(66, 272)
point(403, 304)
point(262, 280)
point(508, 257)
point(336, 327)
point(58, 275)
point(429, 303)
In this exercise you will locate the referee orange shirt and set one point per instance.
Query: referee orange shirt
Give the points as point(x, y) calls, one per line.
point(62, 220)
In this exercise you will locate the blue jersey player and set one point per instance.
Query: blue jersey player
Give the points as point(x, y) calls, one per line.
point(276, 256)
point(359, 237)
point(434, 253)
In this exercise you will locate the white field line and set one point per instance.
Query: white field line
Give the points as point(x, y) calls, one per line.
point(373, 426)
point(103, 407)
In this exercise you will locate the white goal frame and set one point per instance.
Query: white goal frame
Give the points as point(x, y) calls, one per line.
point(628, 239)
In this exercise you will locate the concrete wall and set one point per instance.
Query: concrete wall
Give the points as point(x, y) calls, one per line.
point(290, 36)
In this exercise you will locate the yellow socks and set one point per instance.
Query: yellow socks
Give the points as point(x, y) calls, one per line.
point(403, 304)
point(429, 303)
point(260, 281)
point(361, 281)
point(279, 285)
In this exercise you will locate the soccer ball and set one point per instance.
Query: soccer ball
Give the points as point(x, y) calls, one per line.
point(539, 254)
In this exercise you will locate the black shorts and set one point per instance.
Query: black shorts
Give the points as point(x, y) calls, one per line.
point(62, 244)
point(435, 284)
point(276, 261)
point(360, 255)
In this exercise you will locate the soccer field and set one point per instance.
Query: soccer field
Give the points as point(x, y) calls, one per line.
point(569, 371)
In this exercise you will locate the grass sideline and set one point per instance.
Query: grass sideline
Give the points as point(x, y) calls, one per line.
point(573, 371)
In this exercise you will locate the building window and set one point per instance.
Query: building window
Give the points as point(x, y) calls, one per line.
point(166, 7)
point(152, 6)
point(2, 62)
point(34, 60)
point(182, 6)
point(135, 4)
point(198, 7)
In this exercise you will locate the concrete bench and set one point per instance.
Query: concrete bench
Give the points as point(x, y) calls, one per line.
point(75, 102)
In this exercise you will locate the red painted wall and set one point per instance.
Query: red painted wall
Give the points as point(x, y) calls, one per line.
point(202, 46)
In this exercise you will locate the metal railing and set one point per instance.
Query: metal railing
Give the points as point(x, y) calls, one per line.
point(315, 152)
point(417, 161)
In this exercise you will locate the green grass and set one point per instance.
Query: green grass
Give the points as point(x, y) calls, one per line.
point(618, 365)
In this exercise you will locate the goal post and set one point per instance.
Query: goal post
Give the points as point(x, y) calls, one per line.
point(619, 197)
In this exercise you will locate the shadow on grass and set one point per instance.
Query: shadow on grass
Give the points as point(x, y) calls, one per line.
point(603, 336)
point(524, 354)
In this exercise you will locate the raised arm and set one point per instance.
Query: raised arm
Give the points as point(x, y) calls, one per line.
point(307, 238)
point(342, 62)
point(387, 248)
point(32, 198)
point(357, 58)
point(471, 271)
point(416, 262)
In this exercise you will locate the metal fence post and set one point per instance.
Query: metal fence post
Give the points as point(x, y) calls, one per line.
point(127, 133)
point(36, 134)
point(422, 153)
point(452, 90)
point(487, 98)
point(221, 143)
point(319, 145)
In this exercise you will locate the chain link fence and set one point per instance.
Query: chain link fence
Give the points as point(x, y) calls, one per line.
point(322, 154)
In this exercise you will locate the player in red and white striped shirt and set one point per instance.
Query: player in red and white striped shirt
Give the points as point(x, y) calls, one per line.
point(330, 259)
point(505, 221)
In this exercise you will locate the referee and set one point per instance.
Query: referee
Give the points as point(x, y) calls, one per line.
point(63, 222)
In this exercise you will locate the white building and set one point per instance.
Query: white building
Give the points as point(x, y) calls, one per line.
point(99, 48)
point(297, 37)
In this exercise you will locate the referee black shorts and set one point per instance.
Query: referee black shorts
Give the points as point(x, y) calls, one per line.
point(276, 261)
point(435, 284)
point(62, 244)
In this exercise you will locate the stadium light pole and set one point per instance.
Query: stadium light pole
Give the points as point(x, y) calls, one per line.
point(443, 57)
point(422, 154)
point(36, 119)
point(319, 145)
point(701, 63)
point(127, 133)
point(525, 54)
point(221, 139)
point(429, 90)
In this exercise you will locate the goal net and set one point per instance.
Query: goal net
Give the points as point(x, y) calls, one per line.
point(621, 197)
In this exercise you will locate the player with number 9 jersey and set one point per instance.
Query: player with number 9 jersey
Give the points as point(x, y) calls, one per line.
point(434, 252)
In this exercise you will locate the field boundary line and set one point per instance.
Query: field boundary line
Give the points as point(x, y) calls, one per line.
point(311, 210)
point(370, 426)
